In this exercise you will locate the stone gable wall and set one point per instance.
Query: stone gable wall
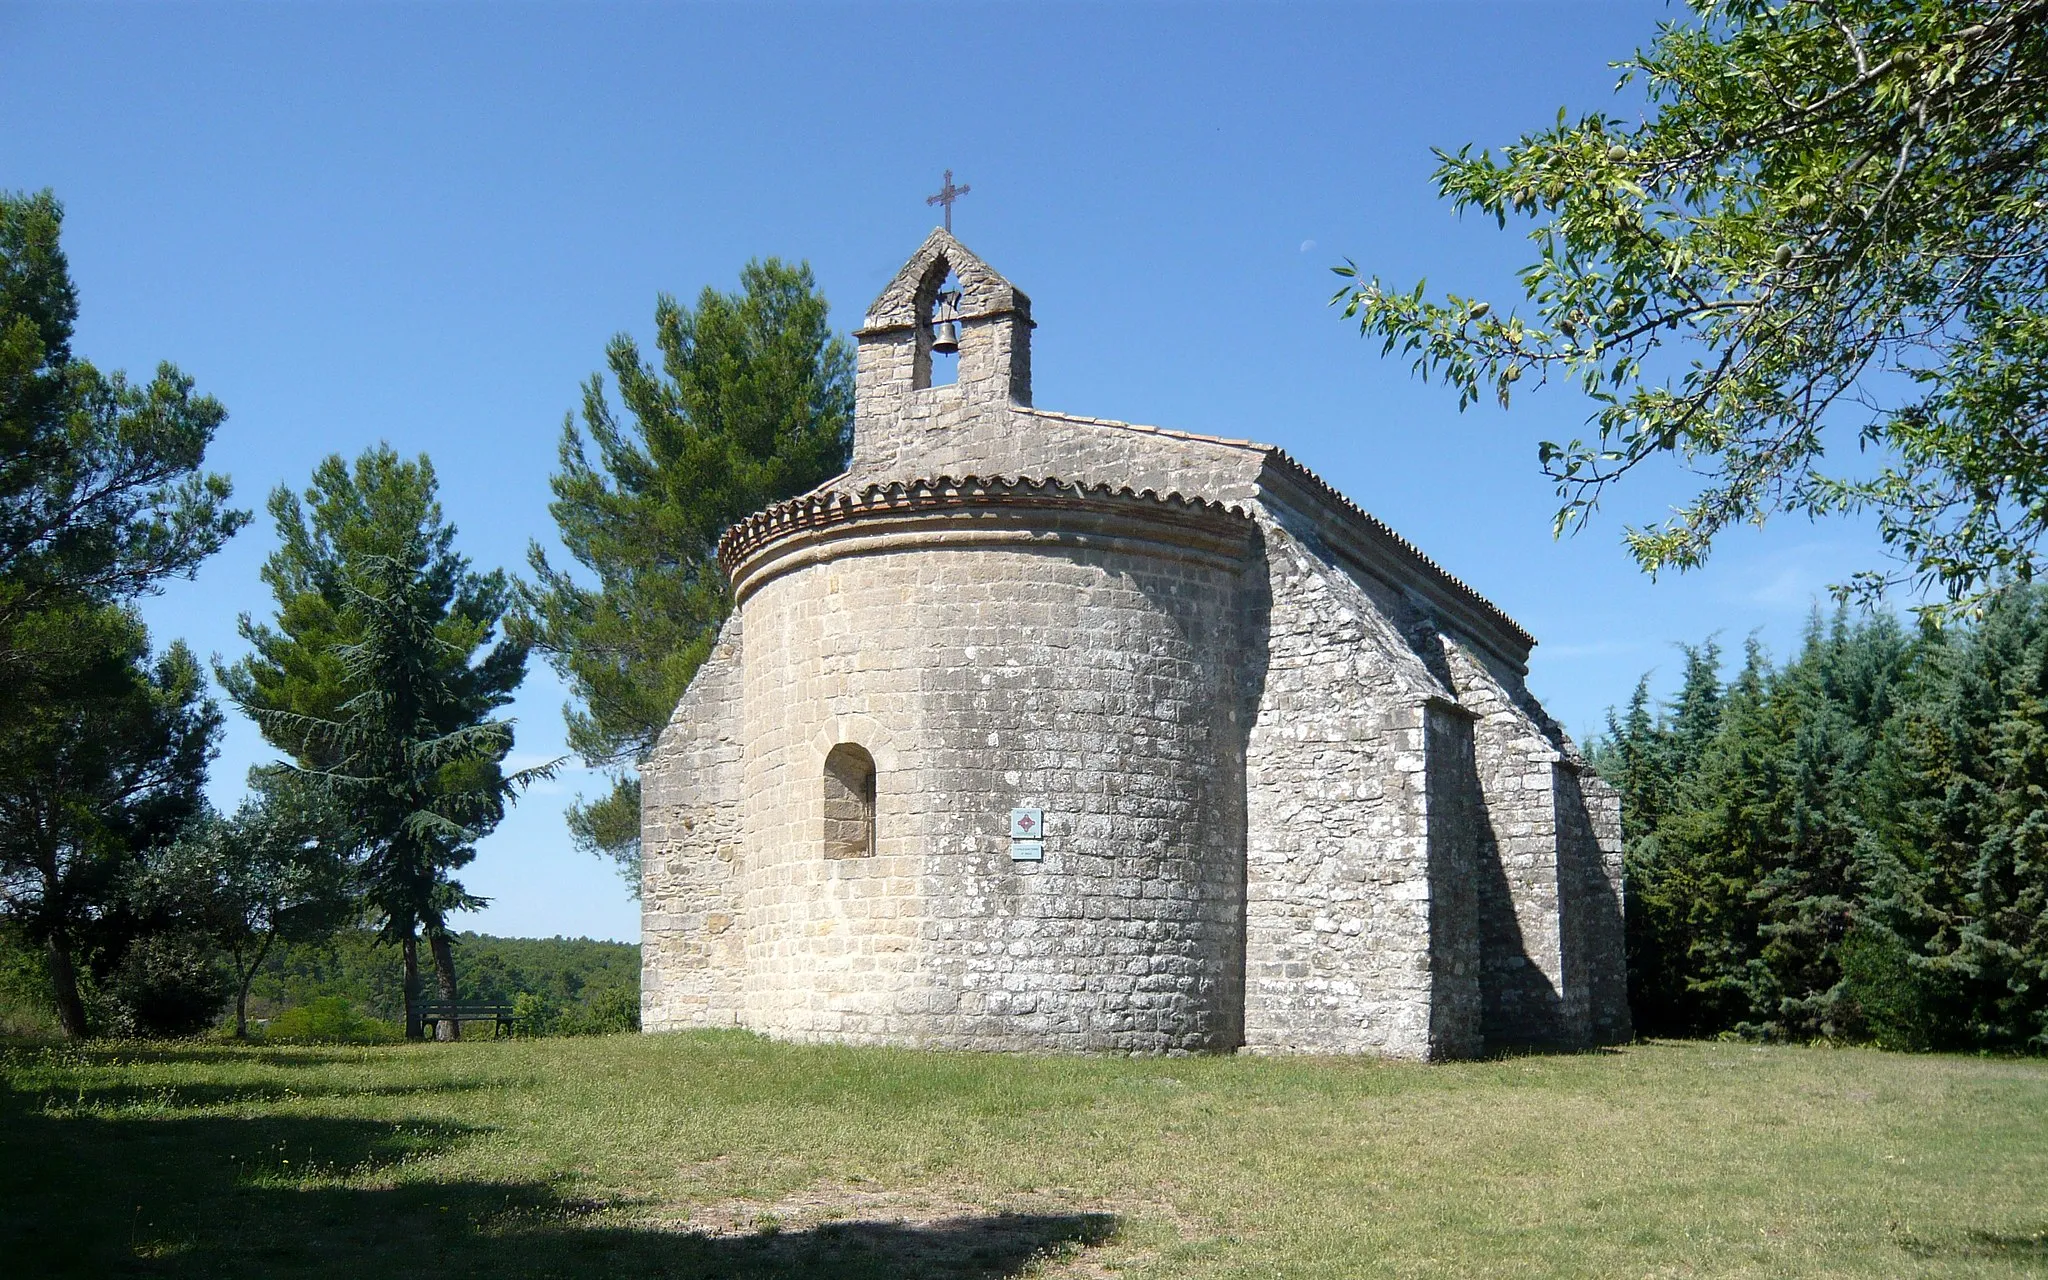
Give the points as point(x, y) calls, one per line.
point(903, 302)
point(1523, 977)
point(1590, 824)
point(893, 372)
point(945, 431)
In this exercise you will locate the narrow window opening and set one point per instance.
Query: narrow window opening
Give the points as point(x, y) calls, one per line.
point(849, 802)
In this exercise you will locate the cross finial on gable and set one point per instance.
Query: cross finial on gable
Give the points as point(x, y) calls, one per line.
point(948, 193)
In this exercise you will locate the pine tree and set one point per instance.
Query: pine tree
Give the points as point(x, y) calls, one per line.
point(379, 685)
point(101, 496)
point(103, 747)
point(1637, 756)
point(752, 403)
point(1859, 848)
point(1833, 701)
point(1651, 761)
point(107, 763)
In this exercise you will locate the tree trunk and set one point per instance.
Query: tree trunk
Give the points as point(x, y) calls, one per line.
point(410, 948)
point(242, 992)
point(444, 976)
point(64, 979)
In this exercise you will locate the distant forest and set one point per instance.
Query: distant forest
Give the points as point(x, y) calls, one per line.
point(564, 973)
point(560, 985)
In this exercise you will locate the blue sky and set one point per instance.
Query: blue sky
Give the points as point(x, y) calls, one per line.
point(420, 224)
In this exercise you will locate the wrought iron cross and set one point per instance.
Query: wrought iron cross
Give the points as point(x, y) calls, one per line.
point(947, 195)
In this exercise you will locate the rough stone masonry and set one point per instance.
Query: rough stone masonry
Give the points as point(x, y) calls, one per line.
point(1284, 786)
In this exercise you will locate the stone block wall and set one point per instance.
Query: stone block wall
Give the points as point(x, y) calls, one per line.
point(941, 432)
point(1337, 852)
point(1539, 844)
point(1095, 684)
point(1457, 1003)
point(690, 840)
point(1589, 827)
point(1554, 966)
point(1522, 976)
point(894, 371)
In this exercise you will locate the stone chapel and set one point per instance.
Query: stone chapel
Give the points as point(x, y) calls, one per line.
point(1040, 731)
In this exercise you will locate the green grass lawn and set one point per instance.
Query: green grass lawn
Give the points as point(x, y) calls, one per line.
point(726, 1155)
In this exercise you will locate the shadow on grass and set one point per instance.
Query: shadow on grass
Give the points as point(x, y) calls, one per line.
point(1505, 1051)
point(88, 1195)
point(200, 1053)
point(1990, 1246)
point(192, 1096)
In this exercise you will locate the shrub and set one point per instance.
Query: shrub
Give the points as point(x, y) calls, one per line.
point(24, 989)
point(1891, 1000)
point(533, 1014)
point(171, 986)
point(609, 1012)
point(329, 1020)
point(613, 1010)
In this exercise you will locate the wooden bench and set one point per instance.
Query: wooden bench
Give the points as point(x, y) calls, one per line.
point(434, 1012)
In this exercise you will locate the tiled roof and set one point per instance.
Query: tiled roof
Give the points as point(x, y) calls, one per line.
point(826, 506)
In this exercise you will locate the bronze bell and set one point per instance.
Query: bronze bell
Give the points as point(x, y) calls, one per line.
point(946, 337)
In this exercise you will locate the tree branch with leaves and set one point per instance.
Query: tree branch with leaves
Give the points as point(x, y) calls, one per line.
point(1829, 228)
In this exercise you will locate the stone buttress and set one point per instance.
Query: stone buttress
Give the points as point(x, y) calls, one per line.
point(1295, 795)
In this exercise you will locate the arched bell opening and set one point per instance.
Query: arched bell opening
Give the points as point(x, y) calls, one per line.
point(849, 802)
point(938, 337)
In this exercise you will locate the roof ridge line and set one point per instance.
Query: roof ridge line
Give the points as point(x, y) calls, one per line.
point(1147, 428)
point(1342, 500)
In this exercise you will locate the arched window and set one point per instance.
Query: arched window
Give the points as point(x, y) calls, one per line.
point(849, 802)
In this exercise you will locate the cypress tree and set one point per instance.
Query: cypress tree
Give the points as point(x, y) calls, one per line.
point(1853, 844)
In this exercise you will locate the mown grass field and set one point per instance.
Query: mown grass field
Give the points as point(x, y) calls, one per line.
point(726, 1155)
